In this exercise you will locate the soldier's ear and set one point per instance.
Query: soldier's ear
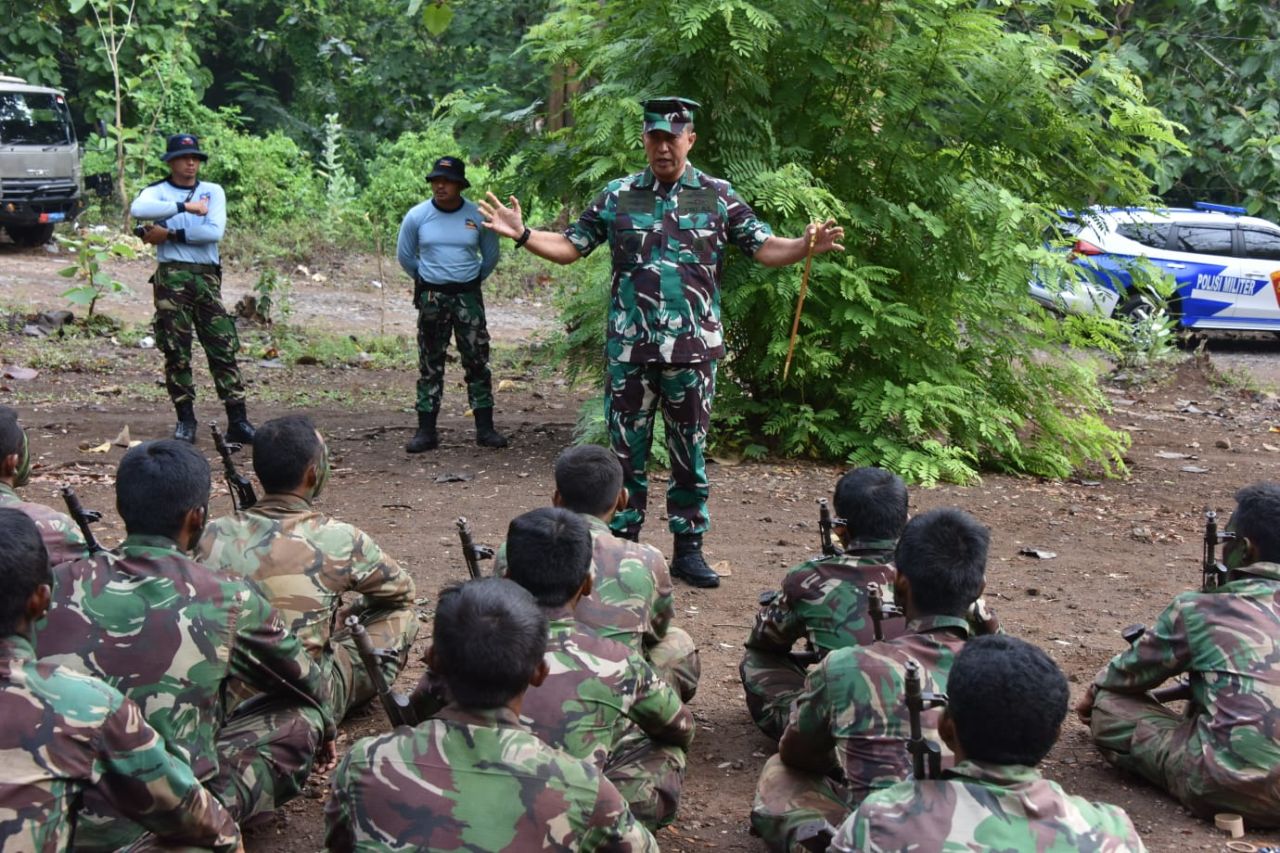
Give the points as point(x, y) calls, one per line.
point(8, 465)
point(38, 603)
point(947, 732)
point(556, 500)
point(587, 585)
point(624, 497)
point(540, 673)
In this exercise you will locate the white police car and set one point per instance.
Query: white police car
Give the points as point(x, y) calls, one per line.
point(1226, 264)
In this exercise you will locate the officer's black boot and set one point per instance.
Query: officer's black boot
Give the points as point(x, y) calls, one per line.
point(239, 429)
point(486, 435)
point(186, 428)
point(688, 563)
point(425, 438)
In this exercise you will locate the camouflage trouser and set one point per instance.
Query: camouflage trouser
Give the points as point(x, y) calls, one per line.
point(1144, 737)
point(264, 755)
point(460, 315)
point(633, 393)
point(649, 776)
point(788, 799)
point(675, 658)
point(772, 682)
point(350, 684)
point(188, 297)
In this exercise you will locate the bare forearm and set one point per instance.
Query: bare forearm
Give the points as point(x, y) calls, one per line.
point(552, 246)
point(781, 251)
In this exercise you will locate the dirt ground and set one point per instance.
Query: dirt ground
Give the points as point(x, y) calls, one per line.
point(1123, 547)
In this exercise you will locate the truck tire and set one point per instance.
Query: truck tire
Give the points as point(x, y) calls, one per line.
point(30, 235)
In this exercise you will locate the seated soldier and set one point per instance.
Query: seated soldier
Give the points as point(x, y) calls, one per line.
point(170, 634)
point(63, 733)
point(850, 717)
point(1007, 703)
point(474, 778)
point(303, 562)
point(824, 600)
point(61, 537)
point(631, 597)
point(1223, 753)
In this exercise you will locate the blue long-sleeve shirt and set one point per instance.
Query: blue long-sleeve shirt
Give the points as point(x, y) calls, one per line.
point(193, 239)
point(446, 247)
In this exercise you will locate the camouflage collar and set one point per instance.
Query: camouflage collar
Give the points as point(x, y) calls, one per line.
point(1266, 571)
point(145, 542)
point(281, 501)
point(559, 616)
point(597, 524)
point(871, 546)
point(491, 718)
point(691, 177)
point(17, 647)
point(994, 774)
point(926, 624)
point(7, 491)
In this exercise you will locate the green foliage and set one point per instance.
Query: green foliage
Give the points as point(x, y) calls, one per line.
point(943, 135)
point(91, 250)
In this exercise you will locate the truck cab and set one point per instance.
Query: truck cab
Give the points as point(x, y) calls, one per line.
point(40, 179)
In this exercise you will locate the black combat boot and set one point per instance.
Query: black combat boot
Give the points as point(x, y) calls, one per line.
point(425, 438)
point(688, 563)
point(239, 430)
point(486, 435)
point(186, 428)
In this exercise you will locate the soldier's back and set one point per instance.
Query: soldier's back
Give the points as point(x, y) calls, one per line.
point(631, 598)
point(61, 537)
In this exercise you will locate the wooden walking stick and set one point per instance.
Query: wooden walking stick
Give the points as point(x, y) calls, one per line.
point(804, 289)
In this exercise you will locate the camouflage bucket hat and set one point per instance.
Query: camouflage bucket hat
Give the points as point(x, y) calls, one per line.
point(672, 115)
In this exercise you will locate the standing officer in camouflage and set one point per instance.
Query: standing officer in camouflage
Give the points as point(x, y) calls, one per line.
point(825, 601)
point(303, 562)
point(1223, 753)
point(448, 255)
point(62, 539)
point(474, 778)
point(1007, 700)
point(850, 719)
point(188, 218)
point(63, 733)
point(173, 635)
point(668, 229)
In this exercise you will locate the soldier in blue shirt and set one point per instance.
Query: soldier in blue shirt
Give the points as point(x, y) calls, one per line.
point(448, 254)
point(188, 217)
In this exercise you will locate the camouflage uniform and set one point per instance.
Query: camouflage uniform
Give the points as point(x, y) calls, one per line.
point(852, 708)
point(64, 733)
point(189, 297)
point(60, 534)
point(459, 315)
point(169, 633)
point(302, 562)
point(664, 334)
point(474, 780)
point(1224, 753)
point(980, 806)
point(632, 602)
point(824, 602)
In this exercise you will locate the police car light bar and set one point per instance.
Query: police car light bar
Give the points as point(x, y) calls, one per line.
point(1220, 208)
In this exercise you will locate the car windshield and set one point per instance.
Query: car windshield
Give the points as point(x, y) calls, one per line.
point(34, 118)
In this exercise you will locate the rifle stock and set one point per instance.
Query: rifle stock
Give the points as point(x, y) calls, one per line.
point(471, 552)
point(878, 610)
point(825, 525)
point(926, 755)
point(241, 489)
point(397, 705)
point(83, 518)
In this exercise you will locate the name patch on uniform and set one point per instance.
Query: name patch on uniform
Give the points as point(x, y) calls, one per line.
point(471, 223)
point(698, 201)
point(637, 201)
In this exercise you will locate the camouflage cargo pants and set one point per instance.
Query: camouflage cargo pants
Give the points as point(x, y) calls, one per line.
point(1148, 739)
point(633, 394)
point(188, 300)
point(459, 315)
point(789, 800)
point(350, 683)
point(649, 776)
point(675, 658)
point(772, 682)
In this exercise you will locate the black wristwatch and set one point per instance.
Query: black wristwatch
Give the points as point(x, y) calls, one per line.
point(524, 238)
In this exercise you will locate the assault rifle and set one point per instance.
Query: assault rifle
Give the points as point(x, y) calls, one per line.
point(471, 552)
point(242, 495)
point(83, 518)
point(926, 755)
point(1213, 571)
point(825, 525)
point(399, 709)
point(878, 610)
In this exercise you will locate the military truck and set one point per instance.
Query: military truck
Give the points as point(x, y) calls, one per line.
point(40, 179)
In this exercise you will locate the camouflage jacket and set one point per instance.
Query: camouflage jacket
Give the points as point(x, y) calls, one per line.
point(303, 562)
point(63, 732)
point(632, 599)
point(595, 691)
point(825, 601)
point(474, 780)
point(853, 703)
point(168, 632)
point(1228, 641)
point(61, 536)
point(979, 806)
point(668, 254)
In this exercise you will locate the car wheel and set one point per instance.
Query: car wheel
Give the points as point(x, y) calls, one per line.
point(1148, 321)
point(30, 235)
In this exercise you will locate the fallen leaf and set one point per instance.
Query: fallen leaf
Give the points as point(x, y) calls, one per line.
point(507, 385)
point(1170, 454)
point(101, 448)
point(1037, 553)
point(1194, 469)
point(1271, 448)
point(722, 569)
point(109, 391)
point(122, 440)
point(454, 478)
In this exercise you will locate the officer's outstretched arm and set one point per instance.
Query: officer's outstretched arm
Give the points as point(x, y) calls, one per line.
point(509, 222)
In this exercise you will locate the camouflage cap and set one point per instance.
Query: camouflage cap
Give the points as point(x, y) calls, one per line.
point(673, 115)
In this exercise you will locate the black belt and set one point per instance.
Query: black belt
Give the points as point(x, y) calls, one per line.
point(182, 265)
